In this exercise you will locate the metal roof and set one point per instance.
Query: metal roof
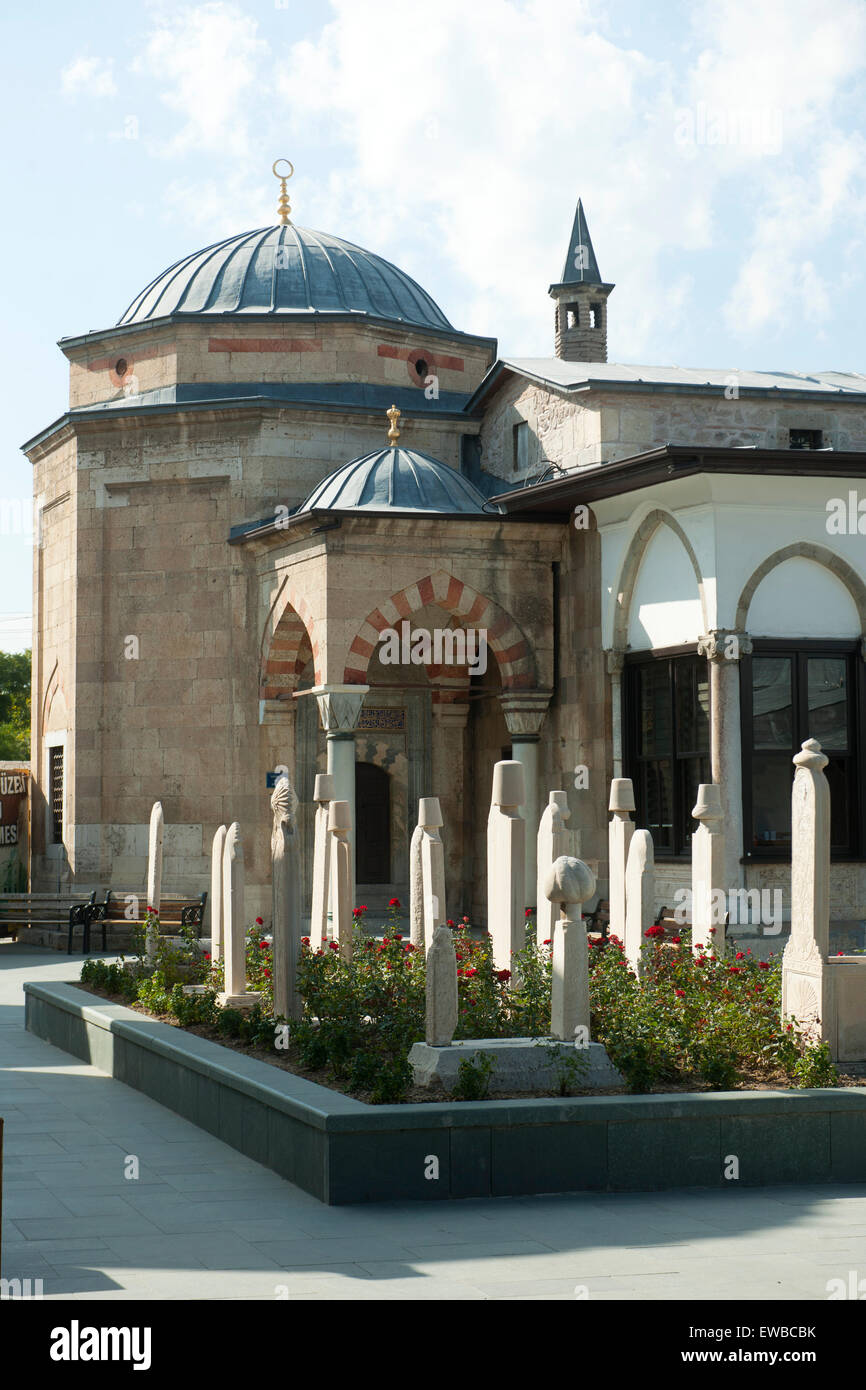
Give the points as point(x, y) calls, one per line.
point(285, 269)
point(395, 479)
point(564, 375)
point(581, 267)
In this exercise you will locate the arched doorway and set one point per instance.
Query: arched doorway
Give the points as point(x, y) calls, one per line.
point(373, 817)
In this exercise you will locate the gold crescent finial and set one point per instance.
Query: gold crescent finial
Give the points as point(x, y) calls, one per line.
point(284, 207)
point(393, 433)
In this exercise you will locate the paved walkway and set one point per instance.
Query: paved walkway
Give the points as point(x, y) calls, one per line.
point(201, 1221)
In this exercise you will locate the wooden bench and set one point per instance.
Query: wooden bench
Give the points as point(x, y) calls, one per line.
point(174, 911)
point(598, 920)
point(53, 910)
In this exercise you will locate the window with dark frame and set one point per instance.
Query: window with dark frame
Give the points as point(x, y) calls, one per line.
point(805, 439)
point(520, 448)
point(55, 756)
point(791, 692)
point(667, 744)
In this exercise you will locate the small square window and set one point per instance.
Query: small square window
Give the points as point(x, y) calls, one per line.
point(595, 316)
point(805, 439)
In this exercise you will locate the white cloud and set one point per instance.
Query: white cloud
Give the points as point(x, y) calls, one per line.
point(94, 76)
point(205, 62)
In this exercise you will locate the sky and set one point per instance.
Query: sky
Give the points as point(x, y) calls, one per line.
point(717, 145)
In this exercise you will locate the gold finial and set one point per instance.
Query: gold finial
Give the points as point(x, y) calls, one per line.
point(284, 207)
point(393, 433)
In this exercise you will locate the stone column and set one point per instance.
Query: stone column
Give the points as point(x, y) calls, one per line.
point(723, 649)
point(441, 989)
point(524, 716)
point(708, 872)
point(506, 864)
point(615, 663)
point(286, 899)
point(216, 895)
point(554, 839)
point(806, 983)
point(340, 830)
point(432, 868)
point(340, 709)
point(323, 795)
point(448, 773)
point(568, 882)
point(235, 995)
point(639, 895)
point(619, 833)
point(154, 873)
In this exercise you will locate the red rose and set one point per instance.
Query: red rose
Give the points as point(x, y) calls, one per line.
point(680, 993)
point(763, 965)
point(263, 945)
point(546, 942)
point(529, 911)
point(449, 923)
point(260, 922)
point(395, 902)
point(334, 945)
point(398, 936)
point(465, 918)
point(503, 974)
point(469, 973)
point(741, 955)
point(267, 974)
point(654, 931)
point(675, 940)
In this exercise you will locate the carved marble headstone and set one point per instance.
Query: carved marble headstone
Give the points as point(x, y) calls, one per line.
point(416, 888)
point(806, 983)
point(619, 835)
point(323, 795)
point(433, 905)
point(441, 982)
point(708, 871)
point(154, 873)
point(286, 898)
point(216, 895)
point(568, 882)
point(506, 864)
point(554, 839)
point(639, 895)
point(235, 995)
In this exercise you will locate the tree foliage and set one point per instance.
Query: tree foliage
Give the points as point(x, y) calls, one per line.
point(14, 705)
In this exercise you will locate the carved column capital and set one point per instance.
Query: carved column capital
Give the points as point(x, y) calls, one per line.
point(615, 663)
point(340, 708)
point(724, 644)
point(524, 713)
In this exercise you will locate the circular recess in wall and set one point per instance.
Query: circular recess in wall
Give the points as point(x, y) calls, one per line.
point(420, 364)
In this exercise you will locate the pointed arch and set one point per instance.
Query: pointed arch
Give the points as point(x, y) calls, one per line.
point(288, 643)
point(630, 570)
point(505, 639)
point(53, 691)
point(804, 550)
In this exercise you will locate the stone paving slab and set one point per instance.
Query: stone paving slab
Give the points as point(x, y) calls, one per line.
point(204, 1222)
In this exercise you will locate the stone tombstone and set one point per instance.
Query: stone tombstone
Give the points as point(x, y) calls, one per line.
point(441, 983)
point(708, 871)
point(806, 982)
point(506, 864)
point(434, 911)
point(568, 882)
point(340, 831)
point(323, 795)
point(554, 839)
point(619, 835)
point(416, 887)
point(639, 895)
point(216, 895)
point(154, 872)
point(286, 899)
point(235, 994)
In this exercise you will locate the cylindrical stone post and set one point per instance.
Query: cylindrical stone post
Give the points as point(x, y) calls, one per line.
point(154, 873)
point(619, 833)
point(441, 984)
point(432, 867)
point(340, 829)
point(708, 872)
point(286, 899)
point(639, 895)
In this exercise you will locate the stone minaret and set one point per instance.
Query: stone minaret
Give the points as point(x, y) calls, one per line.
point(581, 300)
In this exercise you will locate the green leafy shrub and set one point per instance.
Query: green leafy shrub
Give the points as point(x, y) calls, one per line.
point(473, 1077)
point(230, 1022)
point(815, 1067)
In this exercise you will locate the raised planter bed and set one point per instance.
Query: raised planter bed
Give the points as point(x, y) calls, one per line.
point(342, 1150)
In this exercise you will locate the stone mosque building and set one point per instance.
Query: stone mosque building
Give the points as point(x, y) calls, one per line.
point(248, 560)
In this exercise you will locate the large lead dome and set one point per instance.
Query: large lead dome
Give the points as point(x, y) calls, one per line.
point(286, 270)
